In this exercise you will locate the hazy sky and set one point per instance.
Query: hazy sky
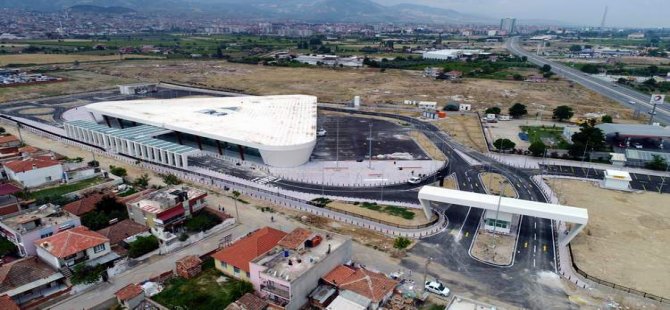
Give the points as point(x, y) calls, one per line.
point(622, 13)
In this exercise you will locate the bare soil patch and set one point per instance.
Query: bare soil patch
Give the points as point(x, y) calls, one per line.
point(626, 240)
point(40, 59)
point(464, 128)
point(492, 183)
point(427, 145)
point(496, 249)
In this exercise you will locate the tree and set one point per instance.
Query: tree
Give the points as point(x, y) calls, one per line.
point(142, 245)
point(142, 181)
point(6, 247)
point(94, 163)
point(517, 77)
point(171, 179)
point(537, 148)
point(657, 163)
point(590, 68)
point(562, 112)
point(219, 52)
point(493, 110)
point(107, 209)
point(202, 222)
point(545, 68)
point(588, 138)
point(504, 144)
point(606, 119)
point(575, 48)
point(401, 243)
point(518, 110)
point(85, 274)
point(118, 171)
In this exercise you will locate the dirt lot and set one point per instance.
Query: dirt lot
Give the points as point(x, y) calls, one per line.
point(419, 216)
point(502, 253)
point(626, 240)
point(40, 59)
point(494, 180)
point(450, 182)
point(77, 81)
point(464, 128)
point(341, 85)
point(427, 145)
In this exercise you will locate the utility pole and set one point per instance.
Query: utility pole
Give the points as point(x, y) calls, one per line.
point(370, 145)
point(495, 224)
point(337, 143)
point(425, 273)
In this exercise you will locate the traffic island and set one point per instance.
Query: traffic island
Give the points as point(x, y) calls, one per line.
point(496, 249)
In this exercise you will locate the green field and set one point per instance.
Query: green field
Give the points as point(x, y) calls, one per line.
point(552, 137)
point(66, 188)
point(202, 291)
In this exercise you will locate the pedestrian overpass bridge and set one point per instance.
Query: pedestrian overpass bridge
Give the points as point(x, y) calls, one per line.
point(578, 216)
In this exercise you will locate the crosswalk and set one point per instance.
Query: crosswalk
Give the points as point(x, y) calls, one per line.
point(265, 180)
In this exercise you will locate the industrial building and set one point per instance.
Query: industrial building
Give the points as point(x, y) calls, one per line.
point(450, 54)
point(276, 130)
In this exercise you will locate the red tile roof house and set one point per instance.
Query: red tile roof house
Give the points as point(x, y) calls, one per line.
point(34, 172)
point(84, 205)
point(74, 246)
point(248, 301)
point(234, 259)
point(130, 296)
point(189, 266)
point(29, 281)
point(123, 233)
point(374, 286)
point(9, 202)
point(9, 140)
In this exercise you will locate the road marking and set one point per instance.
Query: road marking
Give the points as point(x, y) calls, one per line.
point(534, 236)
point(467, 234)
point(533, 262)
point(525, 244)
point(545, 247)
point(534, 248)
point(460, 231)
point(644, 187)
point(535, 225)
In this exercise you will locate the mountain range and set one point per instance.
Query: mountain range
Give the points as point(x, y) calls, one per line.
point(305, 10)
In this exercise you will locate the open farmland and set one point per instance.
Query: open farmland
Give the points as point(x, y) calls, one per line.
point(626, 239)
point(40, 59)
point(341, 85)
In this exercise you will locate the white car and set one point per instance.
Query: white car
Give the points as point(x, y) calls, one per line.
point(414, 180)
point(637, 145)
point(321, 132)
point(438, 288)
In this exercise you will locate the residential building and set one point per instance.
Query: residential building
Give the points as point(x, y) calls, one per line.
point(84, 205)
point(9, 202)
point(25, 227)
point(189, 266)
point(28, 281)
point(508, 25)
point(9, 141)
point(450, 54)
point(234, 259)
point(77, 245)
point(464, 107)
point(8, 303)
point(165, 210)
point(285, 275)
point(353, 283)
point(123, 233)
point(427, 105)
point(248, 301)
point(34, 172)
point(130, 296)
point(276, 130)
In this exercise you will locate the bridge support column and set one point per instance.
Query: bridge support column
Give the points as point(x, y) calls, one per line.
point(572, 234)
point(427, 209)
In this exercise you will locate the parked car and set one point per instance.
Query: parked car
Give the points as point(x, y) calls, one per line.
point(637, 145)
point(438, 288)
point(414, 180)
point(321, 132)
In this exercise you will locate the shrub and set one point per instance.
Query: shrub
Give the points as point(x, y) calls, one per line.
point(142, 245)
point(401, 243)
point(85, 274)
point(171, 179)
point(202, 221)
point(493, 110)
point(118, 171)
point(142, 181)
point(7, 248)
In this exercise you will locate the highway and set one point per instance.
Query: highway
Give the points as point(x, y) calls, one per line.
point(620, 94)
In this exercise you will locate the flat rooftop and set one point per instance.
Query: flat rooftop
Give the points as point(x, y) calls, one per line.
point(277, 259)
point(47, 215)
point(163, 199)
point(258, 121)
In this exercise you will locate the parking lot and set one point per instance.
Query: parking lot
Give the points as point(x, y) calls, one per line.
point(353, 136)
point(50, 110)
point(643, 182)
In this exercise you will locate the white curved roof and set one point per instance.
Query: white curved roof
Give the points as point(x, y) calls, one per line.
point(269, 122)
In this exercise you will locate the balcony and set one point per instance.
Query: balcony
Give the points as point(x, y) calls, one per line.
point(277, 292)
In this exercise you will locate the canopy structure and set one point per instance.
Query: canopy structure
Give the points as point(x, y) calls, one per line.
point(578, 216)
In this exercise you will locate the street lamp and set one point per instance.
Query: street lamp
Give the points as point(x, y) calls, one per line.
point(370, 146)
point(495, 224)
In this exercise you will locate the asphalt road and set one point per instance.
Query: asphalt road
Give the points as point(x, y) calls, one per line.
point(644, 182)
point(620, 94)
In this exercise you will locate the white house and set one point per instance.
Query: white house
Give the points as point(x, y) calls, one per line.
point(464, 107)
point(34, 172)
point(427, 105)
point(77, 245)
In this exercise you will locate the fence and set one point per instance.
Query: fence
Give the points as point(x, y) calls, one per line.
point(255, 190)
point(614, 285)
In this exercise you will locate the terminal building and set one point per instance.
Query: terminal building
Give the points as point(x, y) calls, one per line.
point(278, 131)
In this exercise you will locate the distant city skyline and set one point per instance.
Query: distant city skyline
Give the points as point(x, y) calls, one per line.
point(622, 13)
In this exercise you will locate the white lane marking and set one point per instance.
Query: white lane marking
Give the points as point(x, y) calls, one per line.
point(534, 248)
point(460, 231)
point(534, 236)
point(533, 262)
